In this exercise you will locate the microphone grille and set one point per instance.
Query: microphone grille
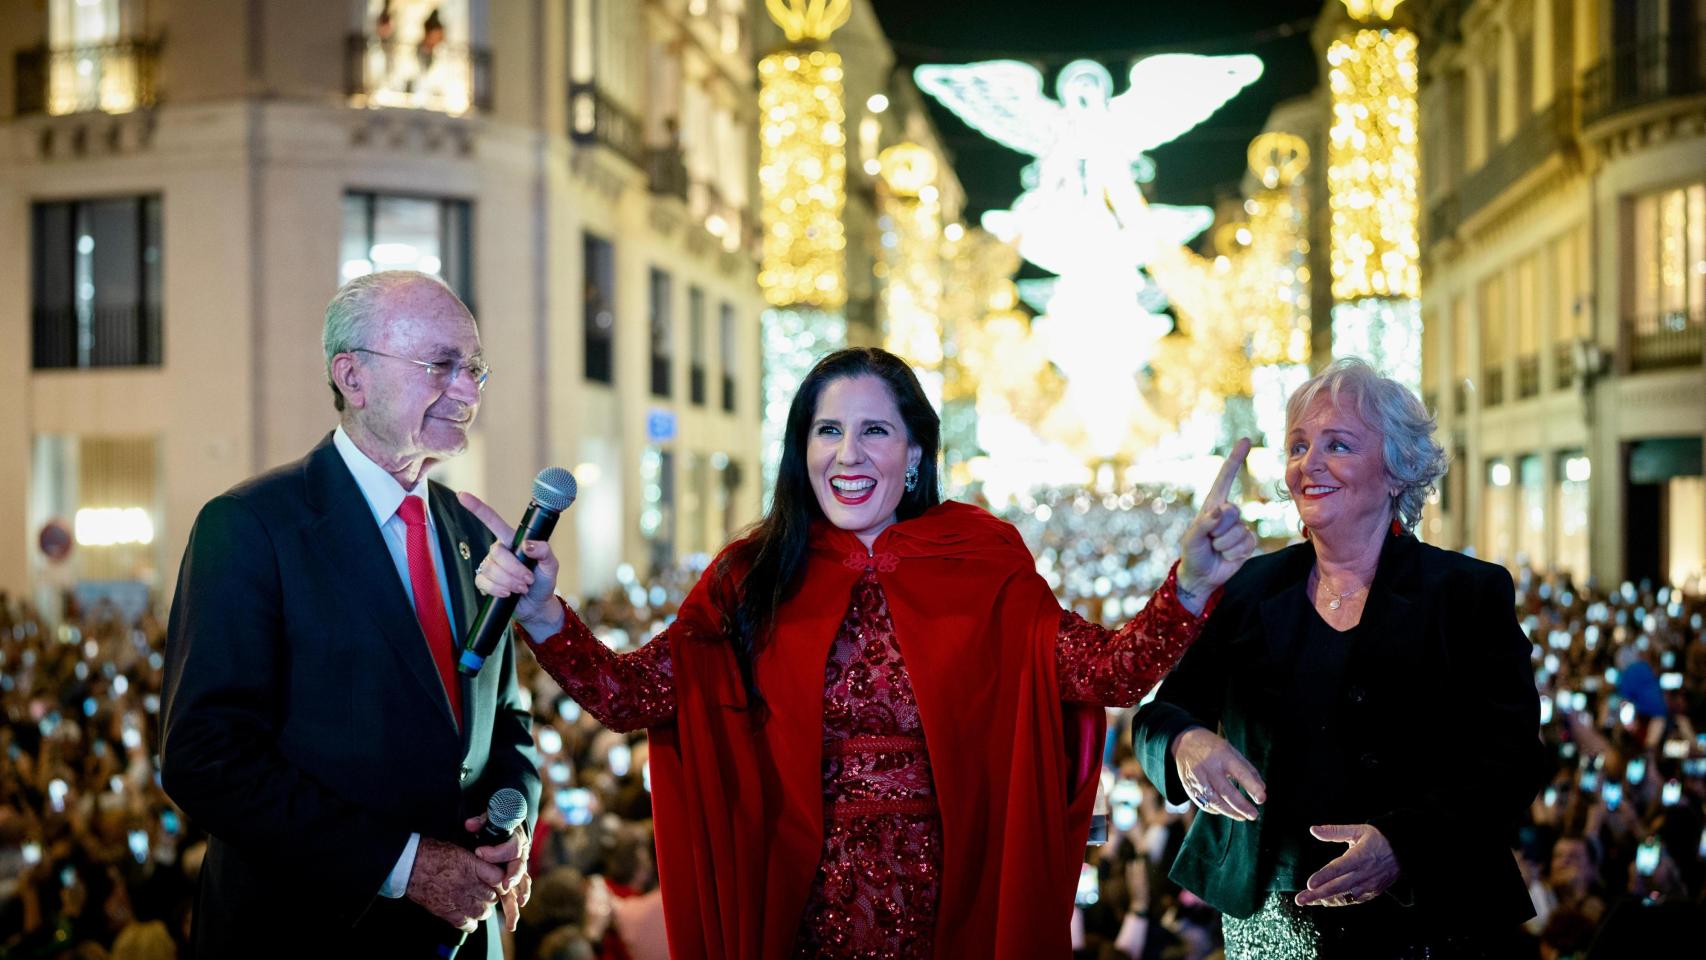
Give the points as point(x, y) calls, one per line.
point(554, 489)
point(507, 809)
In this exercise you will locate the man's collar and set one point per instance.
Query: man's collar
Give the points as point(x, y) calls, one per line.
point(381, 490)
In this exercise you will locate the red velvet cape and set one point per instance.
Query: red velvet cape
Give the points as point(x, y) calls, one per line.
point(739, 808)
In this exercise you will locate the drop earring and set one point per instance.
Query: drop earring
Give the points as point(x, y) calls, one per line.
point(911, 479)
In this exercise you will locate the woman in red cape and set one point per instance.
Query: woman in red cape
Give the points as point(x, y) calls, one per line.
point(874, 732)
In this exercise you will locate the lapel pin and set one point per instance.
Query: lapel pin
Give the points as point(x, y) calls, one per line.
point(462, 545)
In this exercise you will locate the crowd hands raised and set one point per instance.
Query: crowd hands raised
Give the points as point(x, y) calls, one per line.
point(1612, 847)
point(1615, 846)
point(94, 860)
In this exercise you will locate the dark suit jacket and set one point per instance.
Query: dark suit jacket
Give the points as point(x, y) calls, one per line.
point(305, 726)
point(1433, 708)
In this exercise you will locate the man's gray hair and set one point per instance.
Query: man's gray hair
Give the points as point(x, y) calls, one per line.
point(351, 316)
point(1413, 459)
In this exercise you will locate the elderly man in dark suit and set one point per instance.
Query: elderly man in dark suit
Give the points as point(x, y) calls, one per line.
point(314, 723)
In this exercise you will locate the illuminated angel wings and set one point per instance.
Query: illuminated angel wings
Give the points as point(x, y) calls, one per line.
point(1169, 94)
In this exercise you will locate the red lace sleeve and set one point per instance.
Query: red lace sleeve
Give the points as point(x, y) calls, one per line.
point(623, 691)
point(1115, 668)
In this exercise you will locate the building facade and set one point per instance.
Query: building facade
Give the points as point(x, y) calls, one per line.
point(1564, 281)
point(185, 185)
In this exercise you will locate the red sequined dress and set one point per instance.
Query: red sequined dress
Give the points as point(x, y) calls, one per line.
point(874, 895)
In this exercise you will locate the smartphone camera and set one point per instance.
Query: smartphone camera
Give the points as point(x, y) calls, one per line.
point(169, 822)
point(1672, 793)
point(139, 845)
point(1647, 857)
point(1636, 771)
point(1089, 886)
point(1124, 817)
point(550, 741)
point(32, 853)
point(576, 805)
point(621, 759)
point(1613, 794)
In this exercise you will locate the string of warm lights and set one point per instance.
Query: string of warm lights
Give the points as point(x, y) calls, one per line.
point(1373, 192)
point(911, 261)
point(802, 178)
point(1275, 274)
point(1372, 167)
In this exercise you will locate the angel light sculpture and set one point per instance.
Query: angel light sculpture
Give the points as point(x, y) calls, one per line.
point(1082, 216)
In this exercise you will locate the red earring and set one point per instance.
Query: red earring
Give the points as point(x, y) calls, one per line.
point(1306, 531)
point(1397, 529)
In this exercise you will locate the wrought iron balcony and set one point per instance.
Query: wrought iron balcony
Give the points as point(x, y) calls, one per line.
point(595, 118)
point(1528, 376)
point(1564, 365)
point(1540, 136)
point(1636, 74)
point(114, 77)
point(1661, 341)
point(1492, 386)
point(452, 78)
point(666, 172)
point(102, 337)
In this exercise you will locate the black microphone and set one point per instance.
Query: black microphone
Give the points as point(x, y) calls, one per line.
point(553, 491)
point(505, 811)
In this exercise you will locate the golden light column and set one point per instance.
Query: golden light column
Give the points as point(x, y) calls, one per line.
point(1373, 188)
point(912, 262)
point(802, 181)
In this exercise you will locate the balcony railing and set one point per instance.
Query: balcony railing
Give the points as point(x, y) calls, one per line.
point(1665, 340)
point(451, 78)
point(666, 172)
point(114, 77)
point(1492, 386)
point(594, 118)
point(1541, 135)
point(1528, 376)
point(106, 337)
point(1635, 74)
point(1564, 365)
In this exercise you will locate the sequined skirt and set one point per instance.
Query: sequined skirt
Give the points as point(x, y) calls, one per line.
point(875, 893)
point(1282, 930)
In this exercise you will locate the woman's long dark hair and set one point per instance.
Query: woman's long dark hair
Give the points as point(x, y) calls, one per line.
point(774, 551)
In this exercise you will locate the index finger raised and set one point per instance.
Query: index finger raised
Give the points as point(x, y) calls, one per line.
point(493, 520)
point(1228, 473)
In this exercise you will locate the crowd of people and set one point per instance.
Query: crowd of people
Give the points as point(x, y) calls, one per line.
point(96, 862)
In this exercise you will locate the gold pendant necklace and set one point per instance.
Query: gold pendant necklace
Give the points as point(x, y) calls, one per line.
point(1338, 598)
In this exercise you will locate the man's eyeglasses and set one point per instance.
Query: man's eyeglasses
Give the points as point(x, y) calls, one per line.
point(444, 372)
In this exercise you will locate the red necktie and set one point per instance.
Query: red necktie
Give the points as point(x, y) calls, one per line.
point(429, 601)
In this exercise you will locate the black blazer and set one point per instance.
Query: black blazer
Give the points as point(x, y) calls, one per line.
point(305, 726)
point(1433, 708)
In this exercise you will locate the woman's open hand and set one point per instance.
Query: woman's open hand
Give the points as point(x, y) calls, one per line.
point(1365, 871)
point(1218, 778)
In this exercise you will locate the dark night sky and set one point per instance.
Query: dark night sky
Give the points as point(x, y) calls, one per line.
point(1194, 169)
